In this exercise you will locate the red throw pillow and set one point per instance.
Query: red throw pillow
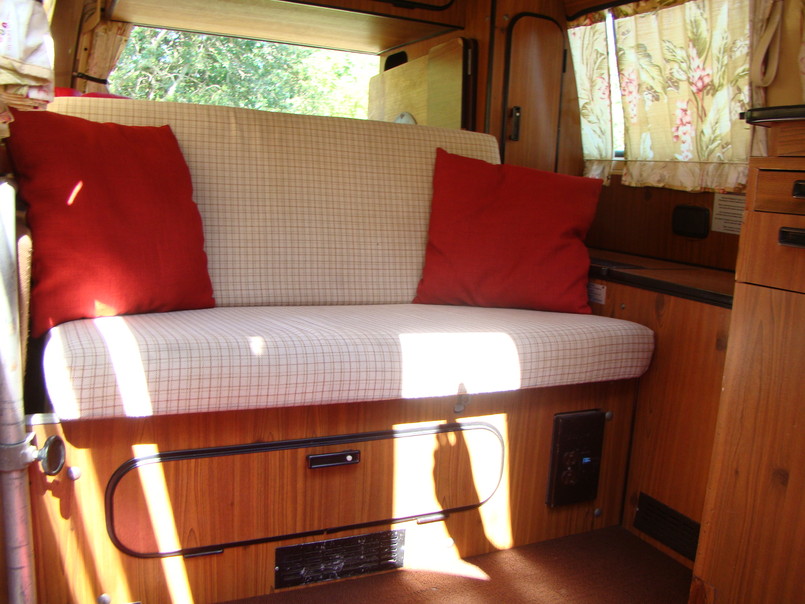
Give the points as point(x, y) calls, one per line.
point(507, 236)
point(112, 216)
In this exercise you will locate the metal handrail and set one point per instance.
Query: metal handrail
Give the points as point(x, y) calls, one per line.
point(16, 452)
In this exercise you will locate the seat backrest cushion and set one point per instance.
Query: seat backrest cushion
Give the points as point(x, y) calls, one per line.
point(302, 210)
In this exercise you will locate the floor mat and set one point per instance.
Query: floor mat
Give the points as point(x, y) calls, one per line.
point(608, 566)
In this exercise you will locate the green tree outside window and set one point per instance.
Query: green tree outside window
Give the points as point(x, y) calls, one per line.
point(166, 65)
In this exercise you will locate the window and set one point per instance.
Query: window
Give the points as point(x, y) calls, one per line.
point(683, 73)
point(615, 96)
point(158, 64)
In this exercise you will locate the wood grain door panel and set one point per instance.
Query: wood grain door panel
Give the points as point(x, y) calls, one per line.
point(751, 547)
point(199, 501)
point(535, 55)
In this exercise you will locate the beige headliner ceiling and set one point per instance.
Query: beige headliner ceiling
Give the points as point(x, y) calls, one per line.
point(280, 21)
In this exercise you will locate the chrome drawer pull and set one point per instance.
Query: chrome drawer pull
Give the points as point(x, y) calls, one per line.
point(791, 237)
point(799, 189)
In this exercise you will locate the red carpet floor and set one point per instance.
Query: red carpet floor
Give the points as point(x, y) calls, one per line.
point(609, 566)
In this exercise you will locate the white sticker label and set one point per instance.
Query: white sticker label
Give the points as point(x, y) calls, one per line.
point(728, 212)
point(597, 293)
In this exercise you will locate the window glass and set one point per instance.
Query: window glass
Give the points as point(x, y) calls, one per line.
point(167, 65)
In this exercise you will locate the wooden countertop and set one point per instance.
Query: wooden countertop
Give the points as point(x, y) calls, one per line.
point(706, 285)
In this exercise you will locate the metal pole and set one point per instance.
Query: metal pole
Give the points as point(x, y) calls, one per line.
point(15, 447)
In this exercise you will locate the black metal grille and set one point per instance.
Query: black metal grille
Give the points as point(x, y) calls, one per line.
point(667, 526)
point(338, 558)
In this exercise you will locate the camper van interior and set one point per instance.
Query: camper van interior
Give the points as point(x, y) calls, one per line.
point(515, 315)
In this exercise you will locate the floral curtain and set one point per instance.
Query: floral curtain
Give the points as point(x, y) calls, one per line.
point(801, 55)
point(101, 43)
point(104, 44)
point(684, 79)
point(588, 45)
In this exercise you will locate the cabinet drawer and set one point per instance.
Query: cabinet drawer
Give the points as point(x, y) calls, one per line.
point(764, 260)
point(780, 191)
point(787, 139)
point(204, 500)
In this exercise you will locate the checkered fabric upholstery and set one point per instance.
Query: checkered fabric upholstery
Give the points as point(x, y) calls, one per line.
point(301, 209)
point(315, 231)
point(248, 357)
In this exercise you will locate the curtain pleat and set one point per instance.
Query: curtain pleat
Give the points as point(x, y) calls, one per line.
point(683, 72)
point(105, 43)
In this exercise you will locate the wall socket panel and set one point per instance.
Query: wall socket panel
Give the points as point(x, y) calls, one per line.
point(578, 437)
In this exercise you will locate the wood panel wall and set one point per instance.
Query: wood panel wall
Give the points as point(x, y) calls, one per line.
point(638, 220)
point(678, 400)
point(429, 88)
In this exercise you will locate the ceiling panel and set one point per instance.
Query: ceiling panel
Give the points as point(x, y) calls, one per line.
point(279, 21)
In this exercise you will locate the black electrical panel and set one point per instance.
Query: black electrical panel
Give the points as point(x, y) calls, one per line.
point(578, 437)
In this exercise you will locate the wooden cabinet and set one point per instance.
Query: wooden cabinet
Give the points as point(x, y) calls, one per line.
point(526, 88)
point(216, 480)
point(678, 397)
point(773, 236)
point(282, 490)
point(752, 546)
point(437, 89)
point(534, 64)
point(537, 110)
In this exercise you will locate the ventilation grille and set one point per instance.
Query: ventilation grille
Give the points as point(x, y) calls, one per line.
point(667, 526)
point(338, 558)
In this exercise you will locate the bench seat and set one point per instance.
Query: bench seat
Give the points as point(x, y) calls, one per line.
point(252, 357)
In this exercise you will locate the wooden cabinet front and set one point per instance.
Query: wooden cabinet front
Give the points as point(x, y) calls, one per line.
point(205, 500)
point(677, 401)
point(752, 547)
point(533, 91)
point(770, 262)
point(780, 191)
point(773, 234)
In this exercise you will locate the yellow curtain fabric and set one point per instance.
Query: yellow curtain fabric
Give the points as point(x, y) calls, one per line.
point(588, 45)
point(801, 56)
point(685, 80)
point(104, 43)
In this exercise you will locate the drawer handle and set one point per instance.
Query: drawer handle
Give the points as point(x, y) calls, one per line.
point(516, 115)
point(791, 237)
point(798, 190)
point(328, 460)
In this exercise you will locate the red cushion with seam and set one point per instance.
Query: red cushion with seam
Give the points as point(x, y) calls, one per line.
point(507, 236)
point(112, 216)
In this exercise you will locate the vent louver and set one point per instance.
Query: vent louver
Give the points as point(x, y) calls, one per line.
point(667, 526)
point(338, 558)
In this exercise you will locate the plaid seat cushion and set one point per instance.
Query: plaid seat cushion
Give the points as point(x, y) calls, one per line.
point(238, 358)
